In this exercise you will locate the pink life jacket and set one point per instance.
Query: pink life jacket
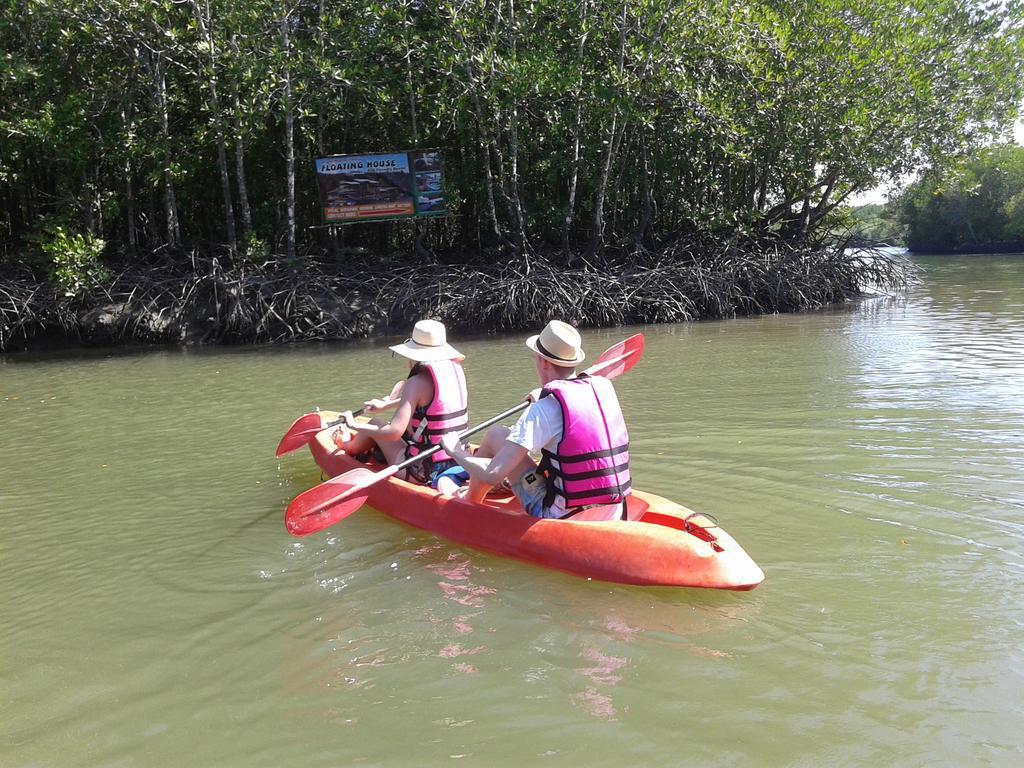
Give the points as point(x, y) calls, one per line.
point(592, 459)
point(447, 412)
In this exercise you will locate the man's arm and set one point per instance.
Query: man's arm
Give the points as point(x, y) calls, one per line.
point(489, 471)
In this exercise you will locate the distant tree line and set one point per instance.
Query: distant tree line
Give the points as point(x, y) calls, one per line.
point(972, 205)
point(875, 224)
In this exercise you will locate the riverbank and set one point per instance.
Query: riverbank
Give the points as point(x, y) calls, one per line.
point(968, 249)
point(245, 303)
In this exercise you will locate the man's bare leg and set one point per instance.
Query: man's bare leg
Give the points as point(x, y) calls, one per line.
point(489, 447)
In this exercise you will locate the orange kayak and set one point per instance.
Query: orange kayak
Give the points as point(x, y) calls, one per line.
point(660, 543)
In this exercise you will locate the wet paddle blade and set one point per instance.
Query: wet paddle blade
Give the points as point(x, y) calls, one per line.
point(328, 503)
point(618, 359)
point(299, 433)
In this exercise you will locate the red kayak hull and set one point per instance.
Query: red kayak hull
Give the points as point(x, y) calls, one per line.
point(661, 544)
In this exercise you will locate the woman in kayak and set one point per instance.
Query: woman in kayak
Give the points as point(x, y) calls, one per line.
point(429, 404)
point(574, 423)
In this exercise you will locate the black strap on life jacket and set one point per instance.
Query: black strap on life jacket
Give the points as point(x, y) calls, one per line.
point(550, 471)
point(420, 414)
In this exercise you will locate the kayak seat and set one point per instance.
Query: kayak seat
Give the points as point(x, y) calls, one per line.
point(597, 514)
point(635, 509)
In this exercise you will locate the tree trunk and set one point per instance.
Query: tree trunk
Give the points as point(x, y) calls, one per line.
point(518, 214)
point(570, 208)
point(205, 27)
point(129, 204)
point(762, 190)
point(646, 196)
point(408, 78)
point(618, 186)
point(507, 195)
point(243, 188)
point(127, 122)
point(86, 204)
point(517, 200)
point(170, 202)
point(419, 232)
point(331, 232)
point(289, 138)
point(485, 142)
point(597, 222)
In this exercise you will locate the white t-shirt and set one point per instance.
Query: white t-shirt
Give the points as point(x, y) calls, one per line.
point(541, 427)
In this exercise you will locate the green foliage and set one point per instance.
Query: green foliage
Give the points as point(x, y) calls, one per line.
point(256, 250)
point(562, 121)
point(876, 223)
point(75, 262)
point(975, 204)
point(1014, 212)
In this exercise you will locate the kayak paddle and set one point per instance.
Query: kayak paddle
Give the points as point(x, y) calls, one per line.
point(304, 429)
point(337, 498)
point(308, 425)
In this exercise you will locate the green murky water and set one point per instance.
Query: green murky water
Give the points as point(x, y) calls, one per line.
point(155, 612)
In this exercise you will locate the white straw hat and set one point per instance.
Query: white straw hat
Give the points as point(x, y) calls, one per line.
point(558, 343)
point(427, 344)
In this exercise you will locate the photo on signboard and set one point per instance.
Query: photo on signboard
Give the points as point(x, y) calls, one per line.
point(426, 161)
point(430, 203)
point(428, 182)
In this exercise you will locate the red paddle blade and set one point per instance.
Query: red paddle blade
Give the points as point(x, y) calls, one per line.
point(328, 503)
point(299, 433)
point(618, 359)
point(299, 525)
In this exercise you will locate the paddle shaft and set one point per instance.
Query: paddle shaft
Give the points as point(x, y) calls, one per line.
point(471, 431)
point(336, 422)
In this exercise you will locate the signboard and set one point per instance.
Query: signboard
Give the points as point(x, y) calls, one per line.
point(386, 185)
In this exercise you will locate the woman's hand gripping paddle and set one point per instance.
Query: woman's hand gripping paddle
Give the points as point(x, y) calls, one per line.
point(334, 500)
point(307, 426)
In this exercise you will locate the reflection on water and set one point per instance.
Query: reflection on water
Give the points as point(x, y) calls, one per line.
point(871, 459)
point(601, 675)
point(456, 585)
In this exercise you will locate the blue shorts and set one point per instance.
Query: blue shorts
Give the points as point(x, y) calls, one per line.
point(531, 489)
point(455, 473)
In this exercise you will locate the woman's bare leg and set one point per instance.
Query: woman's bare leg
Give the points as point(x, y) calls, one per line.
point(358, 443)
point(393, 450)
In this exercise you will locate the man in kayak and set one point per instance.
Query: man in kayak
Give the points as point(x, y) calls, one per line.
point(429, 404)
point(574, 423)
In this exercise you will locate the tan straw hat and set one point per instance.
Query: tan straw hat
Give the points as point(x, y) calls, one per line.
point(558, 343)
point(427, 344)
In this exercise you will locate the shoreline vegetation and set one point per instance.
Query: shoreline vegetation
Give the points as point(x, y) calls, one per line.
point(973, 204)
point(603, 162)
point(970, 249)
point(244, 303)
